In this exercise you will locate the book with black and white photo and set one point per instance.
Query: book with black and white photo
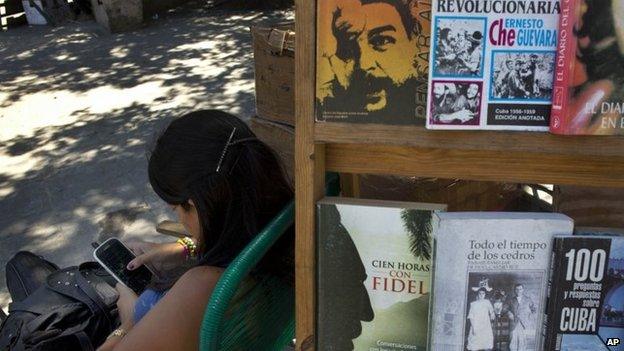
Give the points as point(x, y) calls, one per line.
point(373, 274)
point(492, 64)
point(490, 279)
point(586, 302)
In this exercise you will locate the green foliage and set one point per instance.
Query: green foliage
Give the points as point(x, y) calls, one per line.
point(418, 225)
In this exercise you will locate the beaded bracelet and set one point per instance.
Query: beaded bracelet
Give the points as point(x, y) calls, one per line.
point(190, 248)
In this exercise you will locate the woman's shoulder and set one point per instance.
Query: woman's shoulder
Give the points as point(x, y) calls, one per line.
point(200, 278)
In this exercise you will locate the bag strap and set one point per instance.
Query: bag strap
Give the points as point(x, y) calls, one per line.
point(84, 341)
point(20, 306)
point(85, 293)
point(98, 304)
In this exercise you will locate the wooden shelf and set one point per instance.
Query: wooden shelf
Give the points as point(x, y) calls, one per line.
point(498, 141)
point(488, 165)
point(526, 157)
point(476, 155)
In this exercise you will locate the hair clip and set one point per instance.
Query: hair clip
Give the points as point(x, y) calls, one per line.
point(243, 140)
point(227, 145)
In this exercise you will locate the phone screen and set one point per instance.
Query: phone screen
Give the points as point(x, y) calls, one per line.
point(115, 256)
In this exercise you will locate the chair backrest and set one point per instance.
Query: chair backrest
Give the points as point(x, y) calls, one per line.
point(246, 313)
point(261, 319)
point(251, 313)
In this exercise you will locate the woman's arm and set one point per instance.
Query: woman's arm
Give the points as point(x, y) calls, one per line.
point(173, 323)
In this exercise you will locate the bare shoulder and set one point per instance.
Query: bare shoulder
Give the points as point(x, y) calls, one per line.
point(181, 310)
point(201, 278)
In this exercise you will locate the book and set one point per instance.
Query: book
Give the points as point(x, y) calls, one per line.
point(373, 274)
point(589, 80)
point(372, 61)
point(490, 279)
point(492, 64)
point(586, 300)
point(600, 231)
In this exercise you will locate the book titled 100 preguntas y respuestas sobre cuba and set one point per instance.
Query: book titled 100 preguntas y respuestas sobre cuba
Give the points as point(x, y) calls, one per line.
point(586, 301)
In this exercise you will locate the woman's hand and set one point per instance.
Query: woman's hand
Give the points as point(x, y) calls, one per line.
point(159, 257)
point(125, 306)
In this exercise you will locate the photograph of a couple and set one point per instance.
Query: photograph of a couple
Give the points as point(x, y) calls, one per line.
point(502, 311)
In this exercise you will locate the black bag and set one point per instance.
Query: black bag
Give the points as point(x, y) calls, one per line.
point(25, 273)
point(72, 309)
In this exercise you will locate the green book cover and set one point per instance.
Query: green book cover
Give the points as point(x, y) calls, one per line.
point(373, 274)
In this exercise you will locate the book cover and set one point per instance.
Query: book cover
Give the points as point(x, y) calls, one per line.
point(492, 64)
point(589, 81)
point(599, 231)
point(372, 61)
point(373, 274)
point(490, 279)
point(586, 302)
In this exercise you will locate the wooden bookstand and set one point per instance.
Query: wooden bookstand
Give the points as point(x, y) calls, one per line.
point(415, 151)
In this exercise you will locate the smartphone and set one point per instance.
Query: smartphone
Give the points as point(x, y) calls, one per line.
point(114, 256)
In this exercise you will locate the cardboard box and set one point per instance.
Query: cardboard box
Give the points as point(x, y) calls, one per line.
point(274, 60)
point(281, 138)
point(459, 195)
point(118, 15)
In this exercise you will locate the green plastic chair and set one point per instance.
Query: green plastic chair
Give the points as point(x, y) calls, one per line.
point(246, 313)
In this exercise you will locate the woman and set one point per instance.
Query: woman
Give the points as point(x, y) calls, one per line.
point(481, 314)
point(224, 185)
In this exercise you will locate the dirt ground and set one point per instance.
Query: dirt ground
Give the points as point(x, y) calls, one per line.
point(79, 109)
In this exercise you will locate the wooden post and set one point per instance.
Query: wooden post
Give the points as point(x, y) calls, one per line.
point(309, 176)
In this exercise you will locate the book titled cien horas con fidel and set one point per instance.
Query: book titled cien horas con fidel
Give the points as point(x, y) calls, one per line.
point(373, 274)
point(586, 305)
point(490, 279)
point(492, 64)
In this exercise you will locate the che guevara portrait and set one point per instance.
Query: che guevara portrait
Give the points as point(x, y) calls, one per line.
point(372, 61)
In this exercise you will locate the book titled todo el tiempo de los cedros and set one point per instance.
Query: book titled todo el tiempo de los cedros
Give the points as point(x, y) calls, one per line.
point(492, 64)
point(490, 279)
point(373, 274)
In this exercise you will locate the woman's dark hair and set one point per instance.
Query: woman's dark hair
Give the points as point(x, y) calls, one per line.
point(236, 189)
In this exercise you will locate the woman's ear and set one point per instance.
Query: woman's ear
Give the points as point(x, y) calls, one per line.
point(190, 202)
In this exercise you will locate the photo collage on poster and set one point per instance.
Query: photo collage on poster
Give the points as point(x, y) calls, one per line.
point(459, 51)
point(491, 71)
